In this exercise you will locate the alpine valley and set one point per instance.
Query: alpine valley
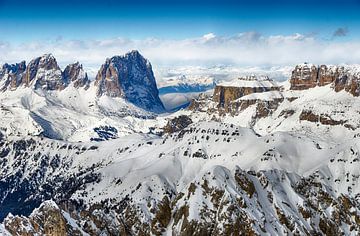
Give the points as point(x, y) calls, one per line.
point(250, 156)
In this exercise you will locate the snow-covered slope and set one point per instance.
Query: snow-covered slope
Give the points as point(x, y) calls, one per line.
point(209, 173)
point(71, 114)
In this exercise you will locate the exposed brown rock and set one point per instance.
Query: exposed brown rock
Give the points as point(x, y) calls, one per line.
point(224, 95)
point(44, 72)
point(228, 214)
point(177, 124)
point(245, 183)
point(227, 97)
point(309, 76)
point(12, 74)
point(201, 104)
point(131, 77)
point(263, 108)
point(327, 76)
point(304, 77)
point(47, 220)
point(323, 119)
point(74, 73)
point(286, 113)
point(227, 100)
point(162, 217)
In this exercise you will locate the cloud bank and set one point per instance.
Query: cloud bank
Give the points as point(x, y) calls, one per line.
point(243, 49)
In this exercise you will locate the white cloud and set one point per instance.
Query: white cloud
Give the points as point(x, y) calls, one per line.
point(243, 49)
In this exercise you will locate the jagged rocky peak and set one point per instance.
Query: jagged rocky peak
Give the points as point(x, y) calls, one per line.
point(131, 77)
point(74, 73)
point(346, 77)
point(227, 92)
point(48, 219)
point(11, 75)
point(44, 72)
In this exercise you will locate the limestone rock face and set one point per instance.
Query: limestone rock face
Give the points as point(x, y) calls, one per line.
point(231, 98)
point(48, 219)
point(307, 76)
point(74, 73)
point(44, 72)
point(131, 77)
point(327, 76)
point(225, 94)
point(304, 77)
point(11, 75)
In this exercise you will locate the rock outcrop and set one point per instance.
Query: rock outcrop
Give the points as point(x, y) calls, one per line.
point(74, 73)
point(228, 95)
point(176, 124)
point(131, 77)
point(237, 95)
point(48, 219)
point(44, 72)
point(304, 77)
point(11, 75)
point(307, 76)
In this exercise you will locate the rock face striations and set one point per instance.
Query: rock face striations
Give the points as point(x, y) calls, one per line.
point(307, 76)
point(228, 92)
point(131, 77)
point(235, 96)
point(42, 72)
point(74, 73)
point(48, 219)
point(11, 75)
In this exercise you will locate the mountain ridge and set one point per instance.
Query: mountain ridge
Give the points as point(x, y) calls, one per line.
point(44, 73)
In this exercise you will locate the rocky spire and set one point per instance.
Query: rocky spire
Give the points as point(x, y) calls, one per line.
point(74, 73)
point(131, 77)
point(44, 72)
point(11, 75)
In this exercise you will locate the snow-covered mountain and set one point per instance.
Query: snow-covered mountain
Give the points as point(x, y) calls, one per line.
point(40, 99)
point(255, 157)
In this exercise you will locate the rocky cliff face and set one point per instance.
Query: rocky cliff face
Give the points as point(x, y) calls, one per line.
point(74, 73)
point(11, 75)
point(235, 96)
point(226, 93)
point(304, 77)
point(307, 76)
point(42, 72)
point(48, 219)
point(131, 77)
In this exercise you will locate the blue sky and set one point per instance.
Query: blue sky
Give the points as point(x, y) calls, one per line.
point(251, 32)
point(78, 19)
